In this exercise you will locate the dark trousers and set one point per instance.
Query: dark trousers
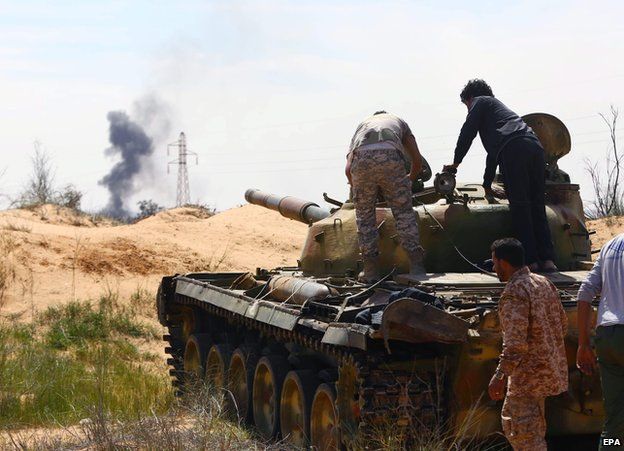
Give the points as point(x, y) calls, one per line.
point(524, 171)
point(609, 343)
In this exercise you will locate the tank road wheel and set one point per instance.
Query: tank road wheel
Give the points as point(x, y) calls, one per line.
point(217, 364)
point(267, 388)
point(324, 431)
point(296, 401)
point(239, 376)
point(195, 357)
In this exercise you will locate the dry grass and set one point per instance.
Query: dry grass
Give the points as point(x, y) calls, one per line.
point(196, 422)
point(439, 437)
point(15, 227)
point(7, 277)
point(8, 244)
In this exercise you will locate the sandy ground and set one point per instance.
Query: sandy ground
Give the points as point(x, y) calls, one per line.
point(53, 256)
point(605, 230)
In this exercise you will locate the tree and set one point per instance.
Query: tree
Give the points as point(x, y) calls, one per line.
point(40, 188)
point(606, 184)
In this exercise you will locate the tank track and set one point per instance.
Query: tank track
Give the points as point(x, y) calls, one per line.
point(369, 395)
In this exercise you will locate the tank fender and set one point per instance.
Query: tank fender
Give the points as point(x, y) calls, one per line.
point(413, 321)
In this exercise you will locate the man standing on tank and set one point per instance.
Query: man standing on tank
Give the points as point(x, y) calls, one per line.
point(377, 162)
point(510, 143)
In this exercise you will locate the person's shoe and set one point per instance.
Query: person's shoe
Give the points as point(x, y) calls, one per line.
point(370, 270)
point(416, 262)
point(548, 266)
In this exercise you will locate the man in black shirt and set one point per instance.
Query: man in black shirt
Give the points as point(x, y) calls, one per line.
point(510, 143)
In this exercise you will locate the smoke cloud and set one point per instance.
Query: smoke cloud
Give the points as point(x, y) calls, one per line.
point(130, 142)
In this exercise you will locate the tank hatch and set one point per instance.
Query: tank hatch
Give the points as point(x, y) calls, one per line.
point(552, 133)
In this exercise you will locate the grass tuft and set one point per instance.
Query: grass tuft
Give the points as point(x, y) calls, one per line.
point(15, 227)
point(76, 359)
point(76, 323)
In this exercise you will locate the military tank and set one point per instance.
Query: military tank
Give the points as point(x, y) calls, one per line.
point(308, 354)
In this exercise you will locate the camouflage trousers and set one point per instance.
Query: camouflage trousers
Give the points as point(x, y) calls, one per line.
point(524, 423)
point(374, 170)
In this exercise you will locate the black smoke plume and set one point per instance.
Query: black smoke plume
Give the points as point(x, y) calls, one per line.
point(130, 142)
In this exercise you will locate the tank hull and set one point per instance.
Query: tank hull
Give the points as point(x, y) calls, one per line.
point(451, 353)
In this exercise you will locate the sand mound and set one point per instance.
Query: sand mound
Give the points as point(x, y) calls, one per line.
point(52, 215)
point(53, 255)
point(182, 214)
point(605, 229)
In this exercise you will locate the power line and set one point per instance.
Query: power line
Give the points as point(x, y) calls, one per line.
point(352, 115)
point(421, 138)
point(276, 170)
point(183, 192)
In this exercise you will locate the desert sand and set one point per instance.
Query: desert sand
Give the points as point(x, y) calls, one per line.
point(55, 256)
point(605, 229)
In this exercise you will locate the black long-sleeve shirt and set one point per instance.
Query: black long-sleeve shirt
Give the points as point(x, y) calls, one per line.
point(496, 125)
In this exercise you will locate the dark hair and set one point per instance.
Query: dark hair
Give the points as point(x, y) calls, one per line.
point(510, 250)
point(380, 112)
point(475, 88)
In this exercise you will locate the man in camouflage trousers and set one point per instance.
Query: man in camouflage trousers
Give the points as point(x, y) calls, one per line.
point(379, 150)
point(533, 363)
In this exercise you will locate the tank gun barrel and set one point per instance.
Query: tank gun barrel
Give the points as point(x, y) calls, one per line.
point(288, 206)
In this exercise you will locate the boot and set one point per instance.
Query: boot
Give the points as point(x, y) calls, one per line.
point(370, 273)
point(548, 266)
point(416, 262)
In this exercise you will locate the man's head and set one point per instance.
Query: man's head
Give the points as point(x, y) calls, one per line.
point(475, 88)
point(380, 112)
point(508, 257)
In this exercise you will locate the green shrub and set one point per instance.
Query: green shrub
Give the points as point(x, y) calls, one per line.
point(40, 385)
point(77, 322)
point(76, 361)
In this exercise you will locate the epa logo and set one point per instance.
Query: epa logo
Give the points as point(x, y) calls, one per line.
point(611, 442)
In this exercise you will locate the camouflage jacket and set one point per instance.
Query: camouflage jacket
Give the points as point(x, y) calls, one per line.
point(534, 325)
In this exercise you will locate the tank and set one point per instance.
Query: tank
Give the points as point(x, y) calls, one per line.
point(308, 354)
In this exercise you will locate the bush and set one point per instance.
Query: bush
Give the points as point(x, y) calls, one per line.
point(39, 385)
point(69, 197)
point(77, 323)
point(148, 208)
point(40, 189)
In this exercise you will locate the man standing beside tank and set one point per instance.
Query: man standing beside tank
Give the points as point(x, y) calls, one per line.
point(533, 361)
point(607, 279)
point(510, 142)
point(376, 162)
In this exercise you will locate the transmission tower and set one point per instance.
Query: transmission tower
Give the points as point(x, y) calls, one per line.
point(184, 196)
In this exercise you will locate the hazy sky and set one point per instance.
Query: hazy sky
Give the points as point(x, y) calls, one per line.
point(270, 92)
